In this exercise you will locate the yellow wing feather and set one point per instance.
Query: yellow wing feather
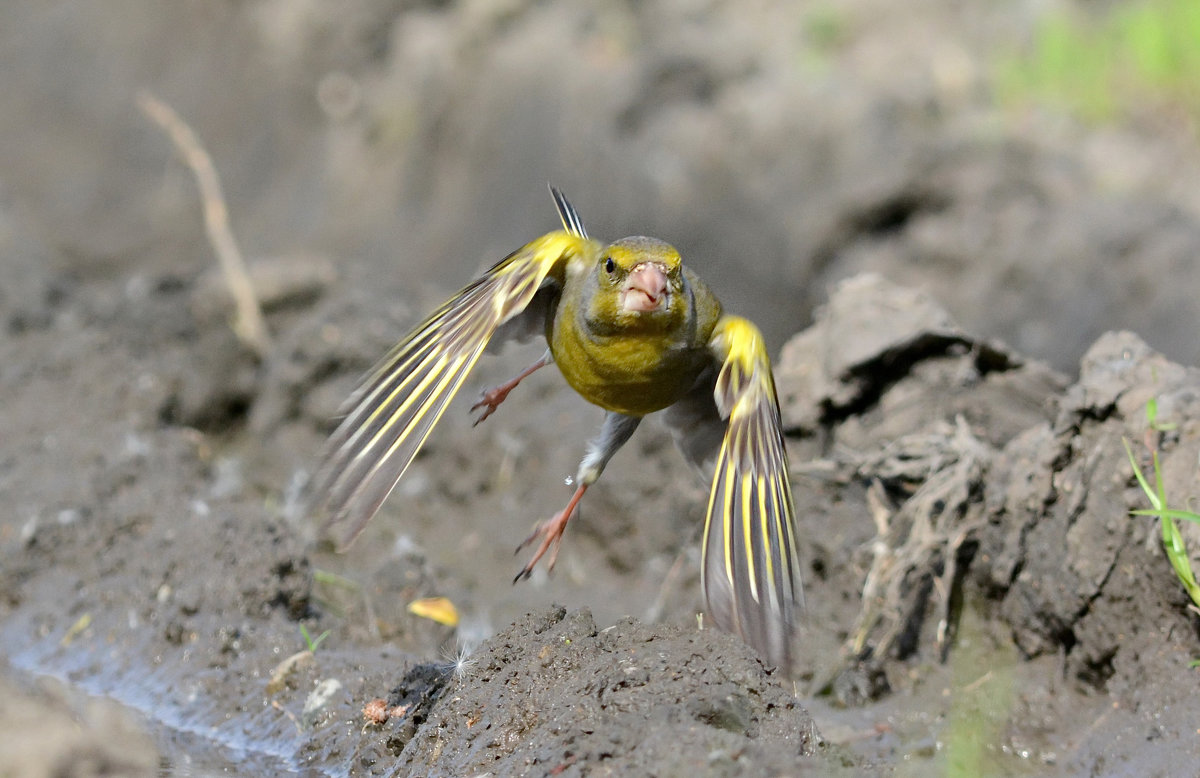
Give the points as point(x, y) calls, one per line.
point(392, 412)
point(750, 573)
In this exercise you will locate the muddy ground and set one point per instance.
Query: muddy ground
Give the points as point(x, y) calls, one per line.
point(952, 291)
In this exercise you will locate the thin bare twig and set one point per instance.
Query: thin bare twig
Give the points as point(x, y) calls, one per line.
point(248, 323)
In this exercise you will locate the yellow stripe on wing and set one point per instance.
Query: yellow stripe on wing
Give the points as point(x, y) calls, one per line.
point(751, 580)
point(390, 415)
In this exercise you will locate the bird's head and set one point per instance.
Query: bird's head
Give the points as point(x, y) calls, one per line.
point(639, 285)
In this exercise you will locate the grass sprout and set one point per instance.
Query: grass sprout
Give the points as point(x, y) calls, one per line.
point(333, 579)
point(1172, 538)
point(1152, 420)
point(311, 643)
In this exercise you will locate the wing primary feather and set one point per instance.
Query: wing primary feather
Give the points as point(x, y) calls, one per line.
point(393, 411)
point(382, 399)
point(381, 437)
point(570, 218)
point(752, 585)
point(750, 540)
point(717, 554)
point(382, 470)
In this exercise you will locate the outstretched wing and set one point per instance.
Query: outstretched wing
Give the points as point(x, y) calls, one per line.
point(393, 410)
point(749, 569)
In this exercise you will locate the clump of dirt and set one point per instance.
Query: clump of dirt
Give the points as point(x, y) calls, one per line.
point(990, 484)
point(1078, 574)
point(554, 691)
point(900, 418)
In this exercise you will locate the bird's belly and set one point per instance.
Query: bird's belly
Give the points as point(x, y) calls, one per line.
point(630, 375)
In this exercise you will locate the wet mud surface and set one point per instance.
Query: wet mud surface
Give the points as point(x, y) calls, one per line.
point(953, 301)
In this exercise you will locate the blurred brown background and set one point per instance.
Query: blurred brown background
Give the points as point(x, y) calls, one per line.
point(780, 146)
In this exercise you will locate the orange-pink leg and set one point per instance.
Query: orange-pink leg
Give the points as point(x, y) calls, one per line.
point(491, 399)
point(550, 532)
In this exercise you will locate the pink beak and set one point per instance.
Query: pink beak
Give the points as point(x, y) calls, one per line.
point(645, 288)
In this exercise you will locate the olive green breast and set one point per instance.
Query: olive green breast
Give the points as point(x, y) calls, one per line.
point(638, 371)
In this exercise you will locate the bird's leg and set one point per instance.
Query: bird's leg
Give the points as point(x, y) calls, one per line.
point(490, 400)
point(550, 532)
point(613, 434)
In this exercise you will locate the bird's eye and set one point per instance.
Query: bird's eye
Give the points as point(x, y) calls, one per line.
point(609, 265)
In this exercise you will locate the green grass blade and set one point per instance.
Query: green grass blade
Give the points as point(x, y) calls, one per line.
point(1168, 513)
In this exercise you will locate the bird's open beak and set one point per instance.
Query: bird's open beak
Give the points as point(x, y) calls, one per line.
point(645, 289)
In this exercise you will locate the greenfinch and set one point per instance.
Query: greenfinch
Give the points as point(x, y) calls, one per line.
point(633, 331)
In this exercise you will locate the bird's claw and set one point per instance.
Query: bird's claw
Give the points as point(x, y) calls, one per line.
point(490, 400)
point(551, 532)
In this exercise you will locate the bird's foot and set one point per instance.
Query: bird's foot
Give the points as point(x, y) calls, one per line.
point(490, 400)
point(550, 532)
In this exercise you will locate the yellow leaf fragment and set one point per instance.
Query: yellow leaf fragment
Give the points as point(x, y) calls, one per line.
point(439, 609)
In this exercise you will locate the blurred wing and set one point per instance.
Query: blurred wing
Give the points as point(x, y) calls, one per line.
point(750, 574)
point(393, 410)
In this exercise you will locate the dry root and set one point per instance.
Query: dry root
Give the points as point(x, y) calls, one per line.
point(916, 550)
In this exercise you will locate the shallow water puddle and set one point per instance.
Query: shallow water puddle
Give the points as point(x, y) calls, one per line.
point(206, 720)
point(191, 739)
